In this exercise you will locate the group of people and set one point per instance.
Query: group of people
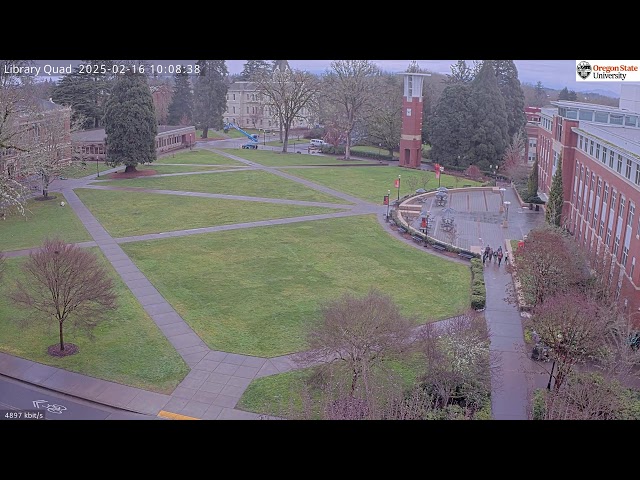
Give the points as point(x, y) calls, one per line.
point(490, 255)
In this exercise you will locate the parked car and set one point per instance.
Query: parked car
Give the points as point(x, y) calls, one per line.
point(316, 142)
point(250, 146)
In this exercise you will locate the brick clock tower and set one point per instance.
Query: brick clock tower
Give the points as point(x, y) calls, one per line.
point(411, 134)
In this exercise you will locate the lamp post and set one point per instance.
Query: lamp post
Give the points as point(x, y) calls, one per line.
point(495, 174)
point(97, 168)
point(264, 136)
point(551, 375)
point(398, 187)
point(388, 202)
point(502, 190)
point(505, 222)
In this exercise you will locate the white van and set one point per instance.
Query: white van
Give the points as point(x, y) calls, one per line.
point(316, 142)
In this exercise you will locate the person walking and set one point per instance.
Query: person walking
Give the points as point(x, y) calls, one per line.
point(490, 254)
point(499, 257)
point(506, 258)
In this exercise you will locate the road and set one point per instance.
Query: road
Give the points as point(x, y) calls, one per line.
point(19, 396)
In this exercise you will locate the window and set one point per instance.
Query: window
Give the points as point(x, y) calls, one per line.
point(607, 240)
point(247, 107)
point(625, 255)
point(637, 173)
point(604, 154)
point(616, 119)
point(611, 158)
point(619, 167)
point(409, 88)
point(598, 151)
point(234, 96)
point(602, 117)
point(595, 219)
point(621, 207)
point(613, 200)
point(632, 209)
point(599, 191)
point(616, 244)
point(591, 147)
point(630, 120)
point(627, 173)
point(606, 193)
point(586, 115)
point(234, 109)
point(601, 231)
point(580, 142)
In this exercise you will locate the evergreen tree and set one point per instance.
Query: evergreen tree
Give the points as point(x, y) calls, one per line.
point(573, 96)
point(490, 135)
point(512, 93)
point(460, 73)
point(452, 125)
point(541, 95)
point(532, 183)
point(130, 122)
point(210, 95)
point(181, 106)
point(564, 94)
point(86, 93)
point(553, 212)
point(252, 68)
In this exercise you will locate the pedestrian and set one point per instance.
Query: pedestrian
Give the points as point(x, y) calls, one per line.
point(484, 258)
point(506, 258)
point(490, 254)
point(495, 255)
point(499, 257)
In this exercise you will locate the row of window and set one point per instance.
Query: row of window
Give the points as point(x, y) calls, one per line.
point(625, 166)
point(253, 97)
point(599, 116)
point(167, 141)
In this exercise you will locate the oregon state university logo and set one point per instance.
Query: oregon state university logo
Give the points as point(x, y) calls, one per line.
point(584, 69)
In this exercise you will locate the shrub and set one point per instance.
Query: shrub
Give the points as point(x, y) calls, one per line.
point(478, 302)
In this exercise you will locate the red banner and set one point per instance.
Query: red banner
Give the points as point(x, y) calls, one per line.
point(397, 183)
point(437, 169)
point(386, 200)
point(424, 222)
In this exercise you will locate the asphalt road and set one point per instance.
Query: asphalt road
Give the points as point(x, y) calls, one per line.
point(17, 396)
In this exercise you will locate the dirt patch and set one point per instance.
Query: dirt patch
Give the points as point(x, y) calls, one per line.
point(69, 349)
point(136, 174)
point(45, 199)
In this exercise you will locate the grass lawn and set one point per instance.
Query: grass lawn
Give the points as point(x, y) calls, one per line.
point(250, 183)
point(371, 149)
point(280, 395)
point(136, 213)
point(77, 170)
point(252, 291)
point(201, 157)
point(211, 135)
point(44, 219)
point(272, 158)
point(127, 348)
point(372, 183)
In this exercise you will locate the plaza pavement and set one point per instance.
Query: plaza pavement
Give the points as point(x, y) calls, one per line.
point(218, 379)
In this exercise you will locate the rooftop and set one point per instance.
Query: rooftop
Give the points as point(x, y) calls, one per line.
point(98, 134)
point(589, 106)
point(623, 137)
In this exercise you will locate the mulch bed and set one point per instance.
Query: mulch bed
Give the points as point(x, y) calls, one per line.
point(69, 349)
point(136, 174)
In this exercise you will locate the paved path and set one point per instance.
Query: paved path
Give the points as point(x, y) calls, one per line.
point(217, 379)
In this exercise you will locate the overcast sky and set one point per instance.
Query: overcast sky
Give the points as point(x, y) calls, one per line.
point(555, 74)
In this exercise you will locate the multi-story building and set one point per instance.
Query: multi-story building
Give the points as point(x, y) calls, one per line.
point(247, 109)
point(599, 147)
point(531, 128)
point(41, 116)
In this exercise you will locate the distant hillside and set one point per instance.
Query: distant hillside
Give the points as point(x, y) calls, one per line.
point(596, 96)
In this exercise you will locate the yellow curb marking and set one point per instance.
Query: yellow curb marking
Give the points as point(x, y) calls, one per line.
point(174, 416)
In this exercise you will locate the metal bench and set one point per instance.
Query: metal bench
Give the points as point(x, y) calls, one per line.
point(437, 246)
point(417, 238)
point(402, 230)
point(468, 256)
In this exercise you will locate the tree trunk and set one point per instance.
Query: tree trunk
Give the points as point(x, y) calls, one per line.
point(45, 186)
point(205, 131)
point(354, 382)
point(347, 148)
point(61, 339)
point(130, 168)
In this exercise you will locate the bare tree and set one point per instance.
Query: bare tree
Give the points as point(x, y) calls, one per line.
point(514, 153)
point(355, 337)
point(66, 283)
point(385, 119)
point(348, 88)
point(459, 362)
point(573, 325)
point(287, 92)
point(548, 263)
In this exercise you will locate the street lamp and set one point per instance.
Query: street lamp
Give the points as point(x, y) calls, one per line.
point(505, 222)
point(502, 190)
point(388, 202)
point(495, 174)
point(97, 167)
point(264, 136)
point(398, 187)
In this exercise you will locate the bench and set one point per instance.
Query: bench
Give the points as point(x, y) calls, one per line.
point(439, 247)
point(468, 256)
point(402, 230)
point(417, 238)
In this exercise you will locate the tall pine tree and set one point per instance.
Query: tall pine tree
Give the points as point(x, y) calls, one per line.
point(553, 214)
point(181, 106)
point(253, 68)
point(210, 95)
point(513, 95)
point(130, 122)
point(490, 137)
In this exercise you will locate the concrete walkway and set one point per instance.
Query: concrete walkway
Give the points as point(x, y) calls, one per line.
point(217, 379)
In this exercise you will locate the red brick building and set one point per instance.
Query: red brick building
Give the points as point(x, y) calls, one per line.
point(599, 147)
point(162, 95)
point(531, 128)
